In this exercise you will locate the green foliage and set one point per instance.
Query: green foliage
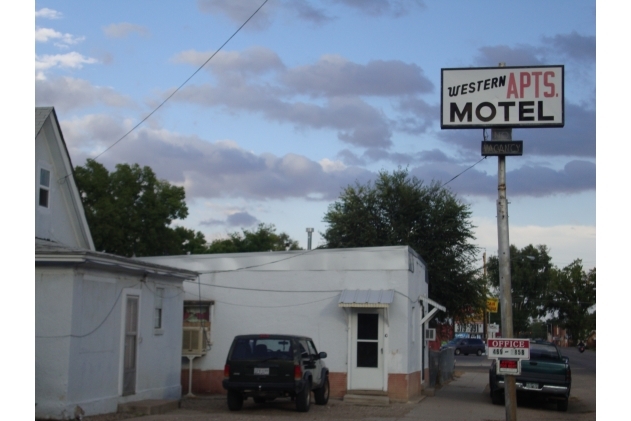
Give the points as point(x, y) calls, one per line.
point(571, 296)
point(401, 210)
point(130, 211)
point(531, 275)
point(263, 239)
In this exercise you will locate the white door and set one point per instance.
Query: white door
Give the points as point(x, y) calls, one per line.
point(366, 368)
point(131, 345)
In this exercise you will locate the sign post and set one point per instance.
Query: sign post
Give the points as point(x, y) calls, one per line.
point(501, 98)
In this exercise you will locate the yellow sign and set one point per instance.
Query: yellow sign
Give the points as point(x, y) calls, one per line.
point(492, 304)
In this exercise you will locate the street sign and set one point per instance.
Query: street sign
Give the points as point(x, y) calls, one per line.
point(509, 348)
point(512, 367)
point(486, 97)
point(502, 148)
point(492, 305)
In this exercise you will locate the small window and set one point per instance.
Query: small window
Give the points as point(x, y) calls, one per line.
point(44, 187)
point(158, 308)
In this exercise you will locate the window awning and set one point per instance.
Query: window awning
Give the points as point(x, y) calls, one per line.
point(380, 298)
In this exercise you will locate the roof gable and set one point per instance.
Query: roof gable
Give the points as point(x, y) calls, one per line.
point(63, 220)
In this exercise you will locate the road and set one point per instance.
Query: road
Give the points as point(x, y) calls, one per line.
point(466, 398)
point(582, 404)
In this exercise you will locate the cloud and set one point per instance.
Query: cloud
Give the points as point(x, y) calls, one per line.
point(257, 81)
point(67, 93)
point(208, 169)
point(394, 8)
point(254, 61)
point(573, 46)
point(47, 34)
point(304, 10)
point(238, 11)
point(577, 138)
point(333, 75)
point(241, 219)
point(236, 219)
point(533, 180)
point(47, 13)
point(124, 29)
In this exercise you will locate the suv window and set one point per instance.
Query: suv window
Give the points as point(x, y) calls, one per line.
point(476, 342)
point(261, 349)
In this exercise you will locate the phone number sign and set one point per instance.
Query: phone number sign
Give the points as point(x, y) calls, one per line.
point(509, 348)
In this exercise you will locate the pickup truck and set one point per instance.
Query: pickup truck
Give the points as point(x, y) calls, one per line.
point(546, 374)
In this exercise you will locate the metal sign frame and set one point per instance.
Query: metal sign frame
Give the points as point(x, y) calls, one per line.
point(515, 97)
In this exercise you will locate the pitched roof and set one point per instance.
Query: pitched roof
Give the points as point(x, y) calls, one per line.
point(41, 114)
point(53, 253)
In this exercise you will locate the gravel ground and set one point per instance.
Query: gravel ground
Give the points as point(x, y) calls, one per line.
point(216, 407)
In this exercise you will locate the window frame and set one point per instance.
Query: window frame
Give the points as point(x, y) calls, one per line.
point(158, 313)
point(43, 187)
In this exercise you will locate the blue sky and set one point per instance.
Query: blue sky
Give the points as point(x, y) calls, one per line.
point(311, 96)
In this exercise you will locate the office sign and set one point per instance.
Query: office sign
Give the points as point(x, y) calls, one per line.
point(509, 348)
point(502, 97)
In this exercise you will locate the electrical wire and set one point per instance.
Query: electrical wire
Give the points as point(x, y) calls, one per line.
point(184, 83)
point(443, 185)
point(93, 330)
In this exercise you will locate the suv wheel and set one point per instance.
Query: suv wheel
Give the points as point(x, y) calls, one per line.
point(303, 399)
point(322, 394)
point(479, 353)
point(235, 400)
point(457, 351)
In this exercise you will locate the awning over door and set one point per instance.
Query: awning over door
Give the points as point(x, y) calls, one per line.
point(380, 298)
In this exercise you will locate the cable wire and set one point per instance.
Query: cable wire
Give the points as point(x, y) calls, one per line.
point(184, 83)
point(462, 172)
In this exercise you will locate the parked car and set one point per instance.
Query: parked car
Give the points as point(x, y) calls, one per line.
point(466, 346)
point(547, 374)
point(266, 367)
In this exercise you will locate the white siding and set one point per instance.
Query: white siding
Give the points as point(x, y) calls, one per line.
point(298, 293)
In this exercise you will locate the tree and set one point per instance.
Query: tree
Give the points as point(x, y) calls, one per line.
point(130, 211)
point(263, 239)
point(401, 210)
point(531, 274)
point(570, 299)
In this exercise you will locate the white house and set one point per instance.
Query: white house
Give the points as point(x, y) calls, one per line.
point(107, 328)
point(365, 307)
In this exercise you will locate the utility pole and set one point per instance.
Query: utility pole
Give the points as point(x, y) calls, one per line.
point(486, 298)
point(510, 395)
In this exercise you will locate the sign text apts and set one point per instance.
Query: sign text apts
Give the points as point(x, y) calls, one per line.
point(502, 97)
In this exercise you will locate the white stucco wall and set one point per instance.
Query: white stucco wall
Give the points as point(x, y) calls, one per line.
point(60, 221)
point(298, 293)
point(86, 369)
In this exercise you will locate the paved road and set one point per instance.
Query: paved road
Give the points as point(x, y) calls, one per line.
point(465, 398)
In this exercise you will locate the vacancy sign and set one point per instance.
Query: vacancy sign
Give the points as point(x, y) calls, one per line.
point(502, 97)
point(509, 348)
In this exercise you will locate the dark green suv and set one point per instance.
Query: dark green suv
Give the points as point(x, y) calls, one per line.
point(266, 367)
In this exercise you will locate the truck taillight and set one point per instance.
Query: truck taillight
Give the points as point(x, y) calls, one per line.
point(297, 372)
point(568, 374)
point(226, 371)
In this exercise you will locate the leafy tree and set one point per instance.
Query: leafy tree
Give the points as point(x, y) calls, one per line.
point(531, 275)
point(130, 211)
point(402, 210)
point(571, 296)
point(263, 239)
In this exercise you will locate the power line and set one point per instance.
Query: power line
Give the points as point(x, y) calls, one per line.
point(182, 85)
point(462, 172)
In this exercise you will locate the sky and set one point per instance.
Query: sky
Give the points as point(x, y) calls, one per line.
point(270, 122)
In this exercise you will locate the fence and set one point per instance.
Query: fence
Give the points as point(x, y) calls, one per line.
point(441, 366)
